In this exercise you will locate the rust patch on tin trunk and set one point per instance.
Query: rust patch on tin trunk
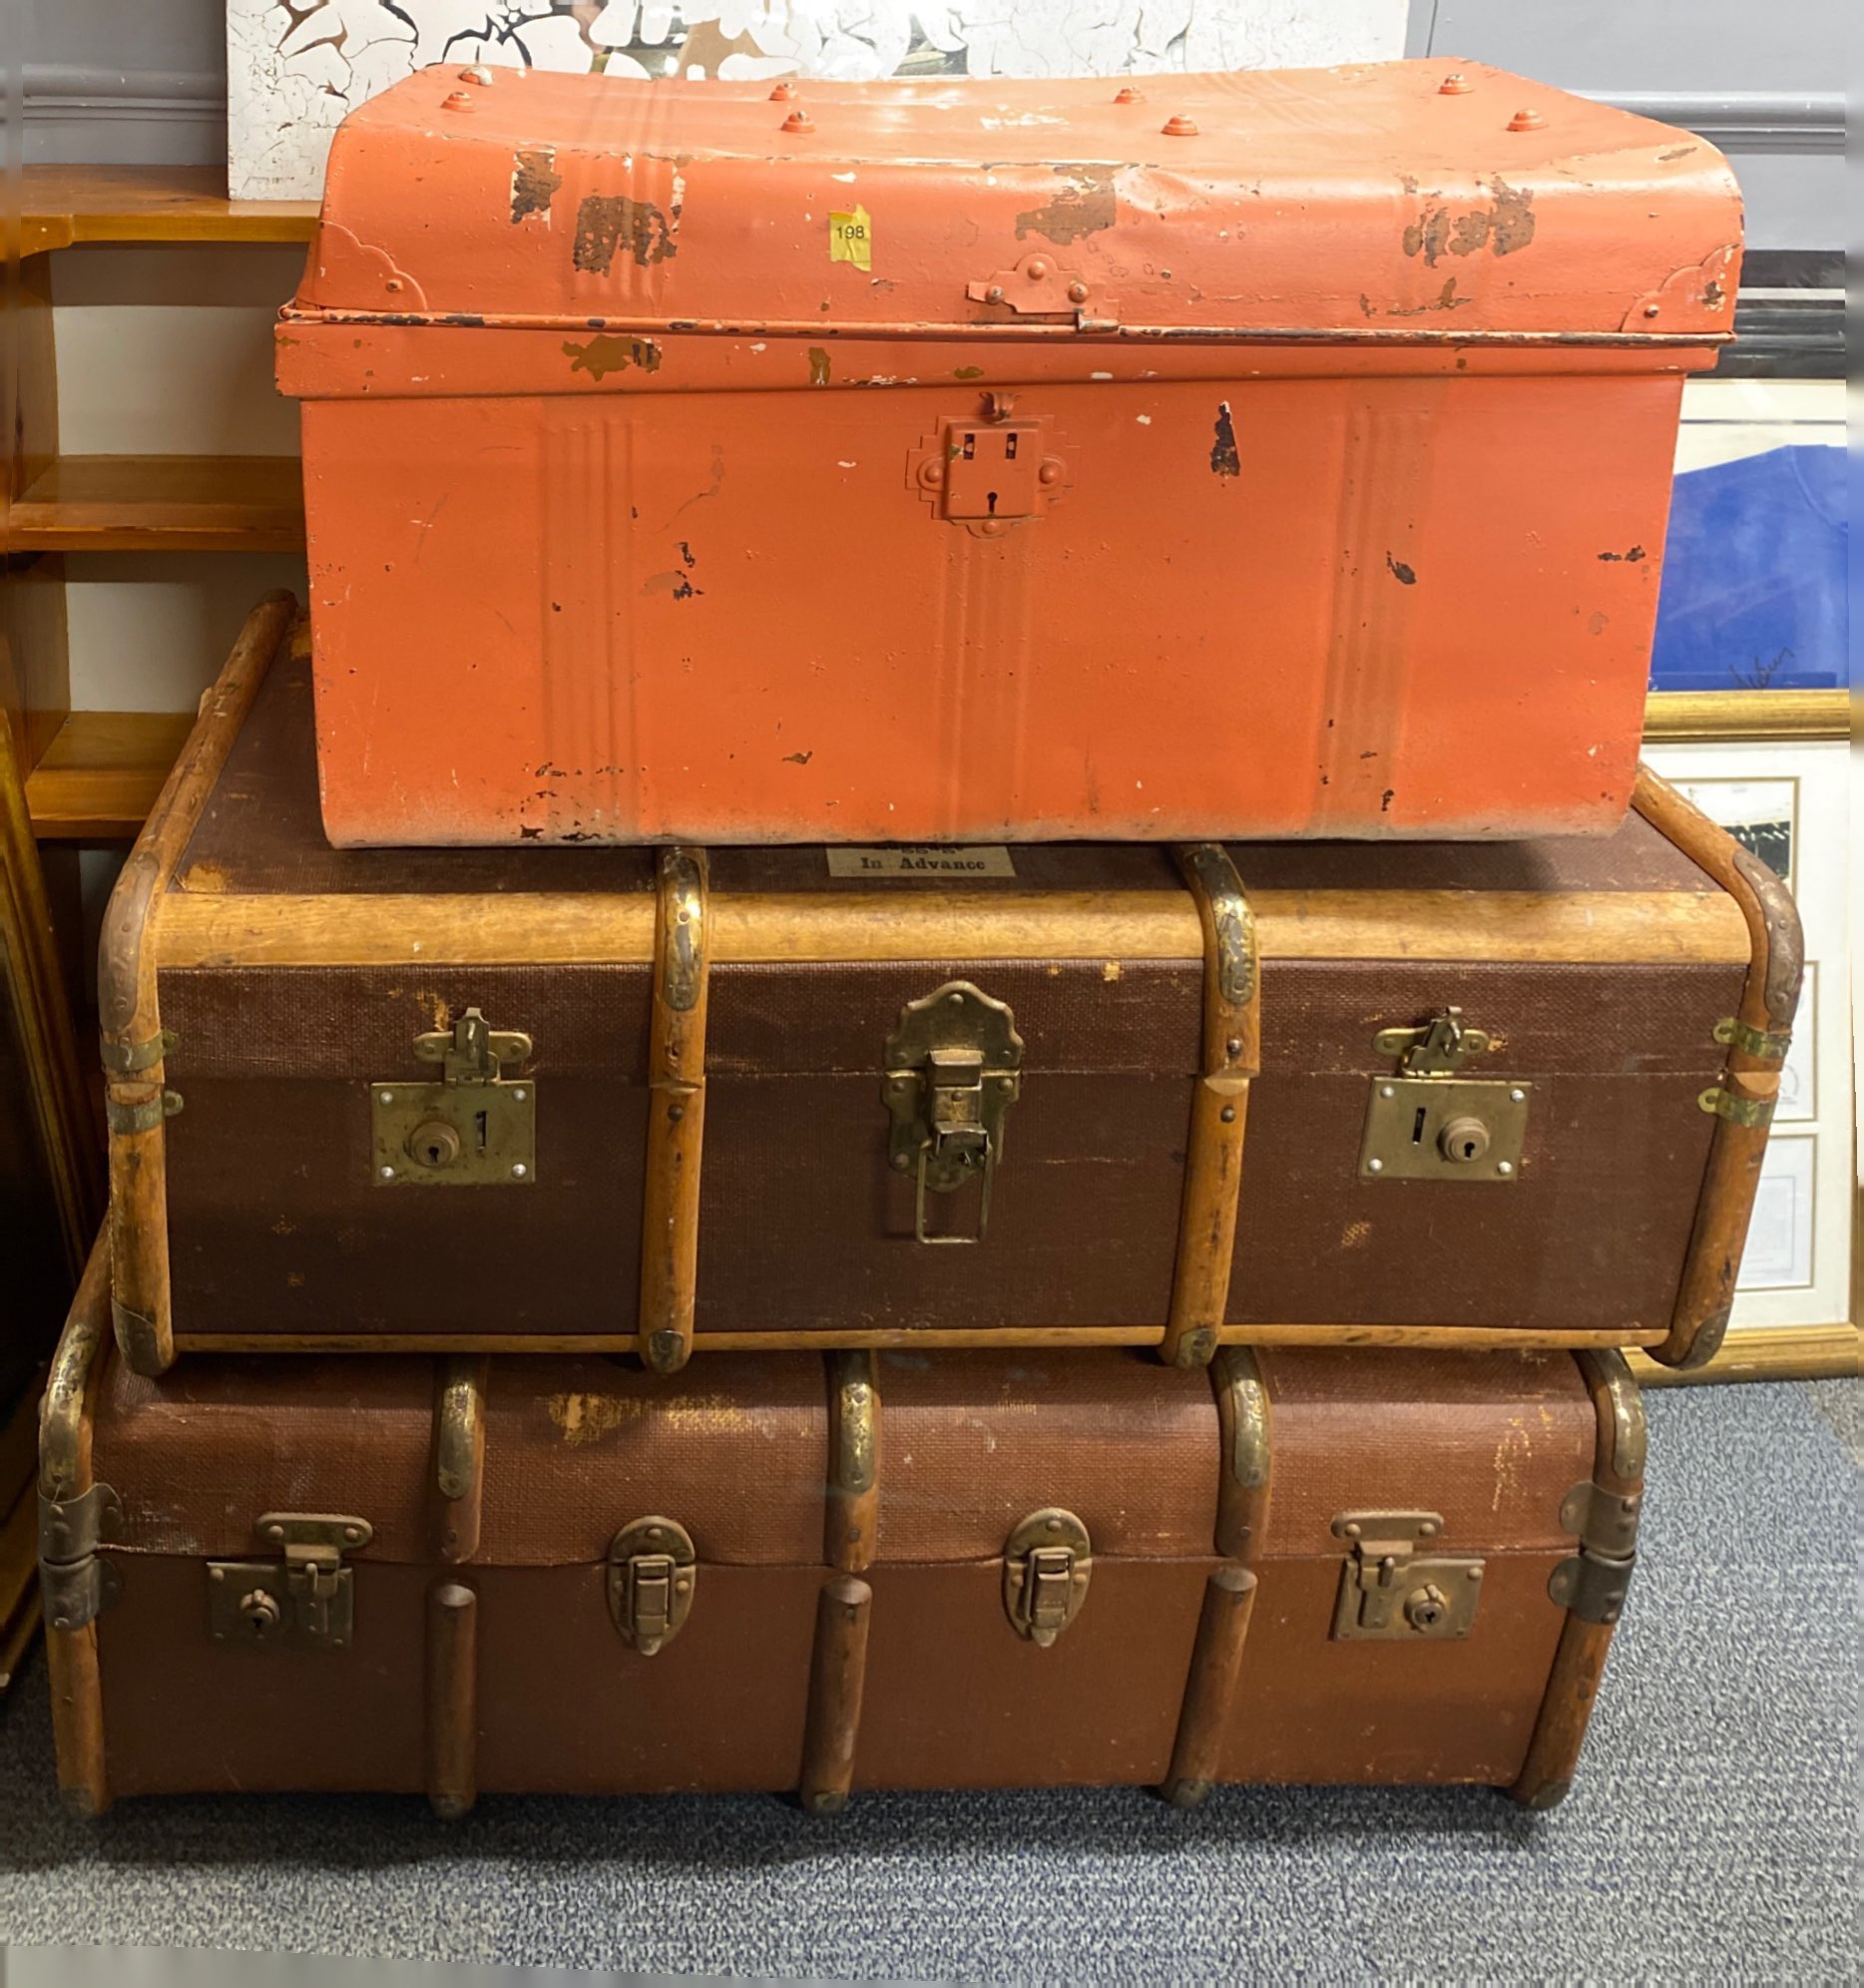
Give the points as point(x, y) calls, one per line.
point(534, 179)
point(1503, 226)
point(605, 224)
point(818, 366)
point(1083, 206)
point(1225, 457)
point(607, 352)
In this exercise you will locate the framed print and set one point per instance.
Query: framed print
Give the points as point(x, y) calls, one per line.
point(1789, 802)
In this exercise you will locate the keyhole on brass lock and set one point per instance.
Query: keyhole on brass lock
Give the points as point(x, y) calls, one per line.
point(261, 1613)
point(1464, 1138)
point(1424, 1607)
point(435, 1143)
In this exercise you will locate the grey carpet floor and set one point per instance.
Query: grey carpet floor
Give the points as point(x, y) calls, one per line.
point(1712, 1834)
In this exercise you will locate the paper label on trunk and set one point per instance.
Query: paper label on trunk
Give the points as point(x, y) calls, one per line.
point(922, 859)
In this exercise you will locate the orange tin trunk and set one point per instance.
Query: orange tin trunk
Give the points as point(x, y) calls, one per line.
point(1278, 454)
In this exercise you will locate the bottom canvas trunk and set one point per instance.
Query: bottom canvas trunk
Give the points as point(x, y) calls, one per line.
point(789, 1572)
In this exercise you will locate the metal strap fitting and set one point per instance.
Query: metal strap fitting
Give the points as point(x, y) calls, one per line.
point(1737, 1111)
point(125, 1059)
point(1605, 1521)
point(1766, 1045)
point(143, 1117)
point(1593, 1585)
point(75, 1584)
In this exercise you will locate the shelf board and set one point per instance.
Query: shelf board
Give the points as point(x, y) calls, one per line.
point(64, 204)
point(161, 503)
point(102, 772)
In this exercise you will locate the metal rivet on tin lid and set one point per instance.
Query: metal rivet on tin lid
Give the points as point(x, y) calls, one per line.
point(1129, 95)
point(784, 92)
point(799, 121)
point(479, 74)
point(1077, 292)
point(1527, 120)
point(1035, 270)
point(460, 100)
point(1456, 84)
point(1181, 127)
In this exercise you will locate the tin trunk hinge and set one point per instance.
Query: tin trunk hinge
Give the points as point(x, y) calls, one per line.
point(652, 1569)
point(471, 1128)
point(953, 1070)
point(1048, 1561)
point(1427, 1122)
point(1391, 1590)
point(306, 1599)
point(75, 1583)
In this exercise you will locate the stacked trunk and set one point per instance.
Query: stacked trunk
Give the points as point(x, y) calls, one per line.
point(767, 1307)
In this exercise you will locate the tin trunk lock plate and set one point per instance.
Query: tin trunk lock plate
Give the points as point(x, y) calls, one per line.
point(953, 1070)
point(474, 1128)
point(306, 1599)
point(1391, 1591)
point(1428, 1122)
point(1048, 1561)
point(653, 1571)
point(990, 473)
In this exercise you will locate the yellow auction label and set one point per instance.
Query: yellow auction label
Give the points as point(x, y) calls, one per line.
point(852, 239)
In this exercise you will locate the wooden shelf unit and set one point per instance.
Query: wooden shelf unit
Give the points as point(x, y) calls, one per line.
point(100, 776)
point(63, 205)
point(162, 504)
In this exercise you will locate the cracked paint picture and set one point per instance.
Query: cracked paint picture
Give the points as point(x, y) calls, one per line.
point(294, 68)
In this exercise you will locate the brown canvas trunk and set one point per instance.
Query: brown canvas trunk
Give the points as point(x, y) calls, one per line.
point(791, 1572)
point(602, 1098)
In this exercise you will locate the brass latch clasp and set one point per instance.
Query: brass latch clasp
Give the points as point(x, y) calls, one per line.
point(1047, 1564)
point(954, 1067)
point(1428, 1122)
point(471, 1128)
point(653, 1568)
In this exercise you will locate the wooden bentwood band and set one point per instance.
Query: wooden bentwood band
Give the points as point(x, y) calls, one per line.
point(676, 1112)
point(1245, 1430)
point(1750, 1079)
point(1586, 1635)
point(135, 1093)
point(837, 1672)
point(1232, 1034)
point(64, 1423)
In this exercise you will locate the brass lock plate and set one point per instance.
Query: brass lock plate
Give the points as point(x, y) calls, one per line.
point(1392, 1593)
point(1469, 1128)
point(473, 1129)
point(442, 1136)
point(305, 1601)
